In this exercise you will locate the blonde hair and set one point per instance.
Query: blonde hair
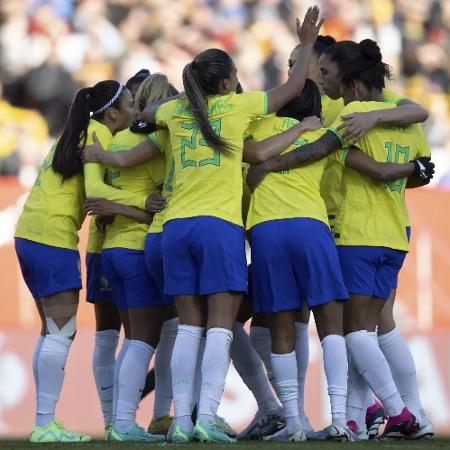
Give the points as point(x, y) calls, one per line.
point(152, 89)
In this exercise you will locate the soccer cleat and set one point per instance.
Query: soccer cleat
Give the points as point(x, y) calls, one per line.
point(177, 436)
point(222, 424)
point(161, 425)
point(341, 433)
point(405, 424)
point(284, 436)
point(263, 425)
point(425, 431)
point(107, 432)
point(375, 417)
point(360, 435)
point(55, 432)
point(212, 433)
point(134, 433)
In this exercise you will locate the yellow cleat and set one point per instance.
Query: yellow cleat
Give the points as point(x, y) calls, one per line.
point(55, 432)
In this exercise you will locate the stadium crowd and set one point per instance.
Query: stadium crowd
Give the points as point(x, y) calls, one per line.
point(49, 48)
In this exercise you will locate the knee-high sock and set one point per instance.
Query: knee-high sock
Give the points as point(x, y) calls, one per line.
point(372, 365)
point(183, 365)
point(50, 371)
point(117, 387)
point(37, 351)
point(335, 364)
point(356, 396)
point(285, 372)
point(262, 342)
point(198, 375)
point(216, 361)
point(403, 369)
point(103, 363)
point(163, 376)
point(248, 364)
point(302, 355)
point(132, 374)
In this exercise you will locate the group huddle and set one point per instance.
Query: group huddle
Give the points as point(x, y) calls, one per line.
point(312, 173)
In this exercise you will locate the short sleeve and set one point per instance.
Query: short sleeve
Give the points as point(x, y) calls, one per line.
point(163, 113)
point(348, 109)
point(424, 148)
point(160, 138)
point(253, 104)
point(392, 97)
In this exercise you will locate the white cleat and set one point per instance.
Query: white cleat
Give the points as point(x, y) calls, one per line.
point(341, 433)
point(284, 436)
point(425, 431)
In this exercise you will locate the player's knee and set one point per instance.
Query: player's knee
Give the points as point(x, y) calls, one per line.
point(65, 326)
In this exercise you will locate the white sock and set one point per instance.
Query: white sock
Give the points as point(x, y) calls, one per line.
point(302, 355)
point(249, 366)
point(163, 376)
point(50, 373)
point(216, 361)
point(132, 374)
point(183, 364)
point(285, 372)
point(198, 374)
point(356, 396)
point(403, 369)
point(335, 365)
point(103, 363)
point(118, 365)
point(372, 365)
point(37, 351)
point(262, 342)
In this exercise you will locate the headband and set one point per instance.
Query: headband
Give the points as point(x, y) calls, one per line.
point(114, 98)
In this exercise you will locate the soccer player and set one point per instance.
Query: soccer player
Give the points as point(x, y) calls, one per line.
point(46, 241)
point(203, 223)
point(363, 80)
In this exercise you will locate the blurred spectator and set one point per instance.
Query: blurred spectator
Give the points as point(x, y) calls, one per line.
point(49, 48)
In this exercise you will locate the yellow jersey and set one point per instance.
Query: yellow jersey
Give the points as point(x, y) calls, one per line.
point(287, 193)
point(208, 183)
point(373, 213)
point(142, 179)
point(330, 187)
point(161, 139)
point(53, 212)
point(94, 182)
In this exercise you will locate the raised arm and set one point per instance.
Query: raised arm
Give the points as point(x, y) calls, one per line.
point(307, 33)
point(357, 124)
point(141, 153)
point(422, 168)
point(301, 156)
point(256, 152)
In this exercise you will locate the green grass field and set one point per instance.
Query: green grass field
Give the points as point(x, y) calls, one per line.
point(437, 443)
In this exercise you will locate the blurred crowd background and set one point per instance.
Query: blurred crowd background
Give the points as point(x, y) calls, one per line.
point(50, 48)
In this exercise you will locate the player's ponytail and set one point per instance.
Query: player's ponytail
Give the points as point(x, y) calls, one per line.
point(307, 104)
point(201, 78)
point(367, 67)
point(92, 100)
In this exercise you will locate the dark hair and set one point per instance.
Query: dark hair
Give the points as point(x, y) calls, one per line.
point(322, 43)
point(201, 78)
point(342, 51)
point(66, 160)
point(366, 67)
point(308, 103)
point(138, 77)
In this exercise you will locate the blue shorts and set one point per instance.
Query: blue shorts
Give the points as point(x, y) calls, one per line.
point(154, 261)
point(202, 256)
point(48, 270)
point(370, 271)
point(131, 284)
point(294, 261)
point(98, 289)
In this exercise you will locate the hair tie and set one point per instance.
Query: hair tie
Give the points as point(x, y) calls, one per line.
point(113, 99)
point(194, 64)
